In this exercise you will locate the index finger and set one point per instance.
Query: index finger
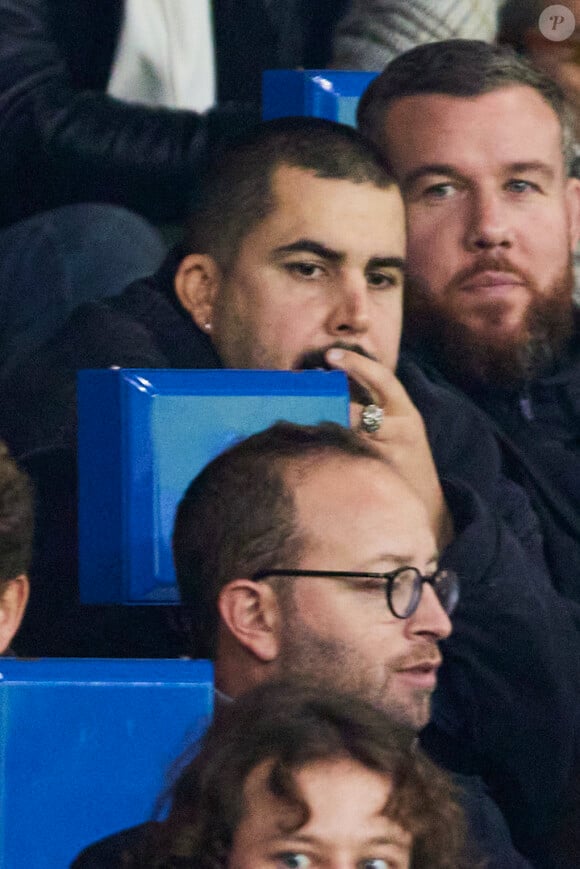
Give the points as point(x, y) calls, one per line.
point(387, 391)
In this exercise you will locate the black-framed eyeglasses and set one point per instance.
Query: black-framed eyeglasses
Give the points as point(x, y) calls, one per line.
point(403, 586)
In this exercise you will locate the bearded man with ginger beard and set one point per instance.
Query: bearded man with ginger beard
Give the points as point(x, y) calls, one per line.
point(481, 143)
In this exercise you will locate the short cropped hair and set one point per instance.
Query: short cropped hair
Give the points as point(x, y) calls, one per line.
point(238, 515)
point(16, 518)
point(237, 193)
point(458, 68)
point(292, 726)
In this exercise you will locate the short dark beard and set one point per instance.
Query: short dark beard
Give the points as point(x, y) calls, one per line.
point(471, 360)
point(315, 660)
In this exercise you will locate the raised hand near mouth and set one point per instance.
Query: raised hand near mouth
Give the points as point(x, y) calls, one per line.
point(397, 430)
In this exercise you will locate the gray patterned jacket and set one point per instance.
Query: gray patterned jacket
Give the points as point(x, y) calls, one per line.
point(376, 31)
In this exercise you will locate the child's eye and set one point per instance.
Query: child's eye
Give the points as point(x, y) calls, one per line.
point(375, 863)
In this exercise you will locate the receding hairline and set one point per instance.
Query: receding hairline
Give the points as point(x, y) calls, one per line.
point(298, 472)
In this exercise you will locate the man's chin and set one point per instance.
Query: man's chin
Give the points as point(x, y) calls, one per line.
point(495, 335)
point(419, 715)
point(495, 321)
point(412, 710)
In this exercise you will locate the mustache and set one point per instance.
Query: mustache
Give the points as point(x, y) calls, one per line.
point(425, 655)
point(315, 360)
point(488, 263)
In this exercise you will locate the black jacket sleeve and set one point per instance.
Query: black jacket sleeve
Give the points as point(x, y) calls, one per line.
point(507, 706)
point(488, 837)
point(63, 142)
point(110, 852)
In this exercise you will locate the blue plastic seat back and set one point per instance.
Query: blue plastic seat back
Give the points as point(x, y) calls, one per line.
point(143, 436)
point(322, 93)
point(87, 746)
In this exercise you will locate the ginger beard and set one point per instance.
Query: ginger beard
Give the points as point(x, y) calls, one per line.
point(487, 354)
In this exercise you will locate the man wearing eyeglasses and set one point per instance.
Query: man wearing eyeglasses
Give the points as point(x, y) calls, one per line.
point(324, 568)
point(304, 555)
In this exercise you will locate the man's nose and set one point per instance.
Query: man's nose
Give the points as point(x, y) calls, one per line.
point(489, 222)
point(430, 619)
point(349, 306)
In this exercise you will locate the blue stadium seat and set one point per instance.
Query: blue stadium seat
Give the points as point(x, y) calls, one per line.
point(144, 434)
point(324, 93)
point(86, 747)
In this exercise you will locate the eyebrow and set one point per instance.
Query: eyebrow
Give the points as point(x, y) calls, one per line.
point(429, 169)
point(306, 839)
point(400, 560)
point(387, 262)
point(307, 245)
point(387, 840)
point(449, 171)
point(531, 166)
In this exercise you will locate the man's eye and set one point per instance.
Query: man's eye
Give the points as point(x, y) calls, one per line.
point(518, 185)
point(440, 191)
point(292, 860)
point(304, 270)
point(384, 281)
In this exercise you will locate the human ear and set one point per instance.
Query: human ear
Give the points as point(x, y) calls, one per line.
point(250, 611)
point(13, 600)
point(573, 204)
point(196, 285)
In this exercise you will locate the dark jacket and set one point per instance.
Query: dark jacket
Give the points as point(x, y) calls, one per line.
point(508, 699)
point(108, 853)
point(537, 427)
point(64, 140)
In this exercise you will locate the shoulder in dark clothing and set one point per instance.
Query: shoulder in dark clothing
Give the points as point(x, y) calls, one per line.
point(109, 853)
